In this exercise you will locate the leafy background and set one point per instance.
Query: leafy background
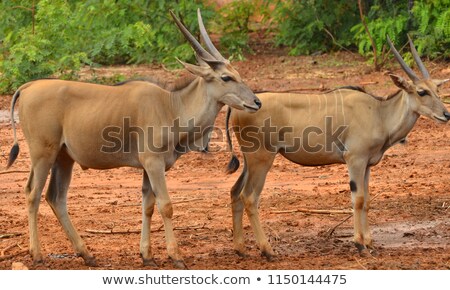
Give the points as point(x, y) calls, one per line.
point(44, 38)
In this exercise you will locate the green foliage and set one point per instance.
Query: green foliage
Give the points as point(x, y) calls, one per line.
point(428, 24)
point(235, 21)
point(71, 34)
point(324, 25)
point(315, 25)
point(235, 24)
point(383, 19)
point(59, 37)
point(28, 56)
point(432, 23)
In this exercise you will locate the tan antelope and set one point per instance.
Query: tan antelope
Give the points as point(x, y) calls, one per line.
point(135, 124)
point(345, 125)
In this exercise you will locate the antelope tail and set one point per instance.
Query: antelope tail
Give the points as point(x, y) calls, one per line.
point(15, 149)
point(233, 165)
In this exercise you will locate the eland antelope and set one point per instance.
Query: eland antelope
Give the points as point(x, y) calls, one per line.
point(136, 124)
point(346, 125)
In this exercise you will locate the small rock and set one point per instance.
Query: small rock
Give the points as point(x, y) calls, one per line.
point(18, 266)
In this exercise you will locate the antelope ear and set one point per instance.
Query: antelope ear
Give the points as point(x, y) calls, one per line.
point(401, 83)
point(201, 71)
point(440, 82)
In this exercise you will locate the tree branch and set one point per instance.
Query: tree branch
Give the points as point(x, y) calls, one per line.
point(363, 20)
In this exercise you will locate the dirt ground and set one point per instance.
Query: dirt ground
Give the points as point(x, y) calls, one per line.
point(410, 216)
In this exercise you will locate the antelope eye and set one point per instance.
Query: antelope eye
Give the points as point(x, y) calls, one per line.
point(226, 78)
point(422, 93)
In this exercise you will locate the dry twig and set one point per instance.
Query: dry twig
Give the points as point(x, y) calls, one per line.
point(14, 171)
point(334, 40)
point(113, 232)
point(186, 200)
point(273, 233)
point(314, 211)
point(9, 235)
point(331, 231)
point(174, 202)
point(7, 257)
point(368, 83)
point(7, 249)
point(129, 204)
point(360, 264)
point(374, 48)
point(129, 231)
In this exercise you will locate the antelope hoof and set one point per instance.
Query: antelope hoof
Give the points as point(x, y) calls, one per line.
point(149, 262)
point(179, 264)
point(270, 256)
point(91, 262)
point(360, 247)
point(366, 250)
point(37, 259)
point(363, 250)
point(241, 254)
point(365, 253)
point(37, 262)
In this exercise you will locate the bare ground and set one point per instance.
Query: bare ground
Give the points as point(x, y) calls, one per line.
point(410, 216)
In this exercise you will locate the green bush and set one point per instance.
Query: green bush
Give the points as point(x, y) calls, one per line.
point(383, 18)
point(234, 23)
point(432, 23)
point(324, 25)
point(315, 25)
point(71, 34)
point(428, 24)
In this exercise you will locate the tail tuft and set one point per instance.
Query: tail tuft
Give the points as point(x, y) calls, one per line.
point(233, 165)
point(13, 155)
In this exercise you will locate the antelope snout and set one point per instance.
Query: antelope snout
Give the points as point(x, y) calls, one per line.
point(254, 106)
point(447, 115)
point(259, 104)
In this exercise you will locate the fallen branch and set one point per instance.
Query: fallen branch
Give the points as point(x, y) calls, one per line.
point(273, 233)
point(130, 204)
point(186, 200)
point(314, 211)
point(10, 235)
point(113, 232)
point(174, 202)
point(368, 83)
point(331, 231)
point(14, 171)
point(7, 257)
point(128, 231)
point(194, 227)
point(362, 266)
point(2, 253)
